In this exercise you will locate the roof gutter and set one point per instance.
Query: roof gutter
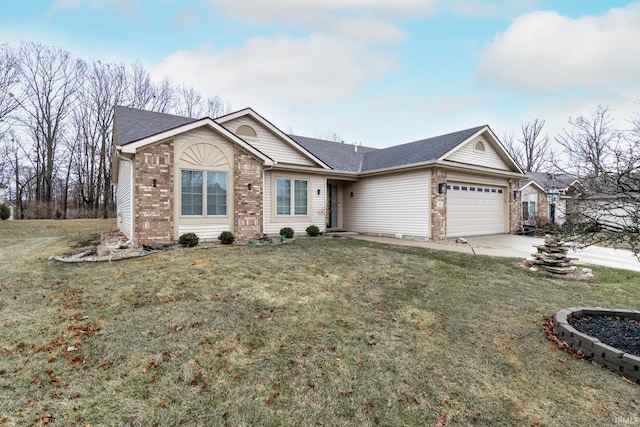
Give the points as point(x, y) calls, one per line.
point(447, 165)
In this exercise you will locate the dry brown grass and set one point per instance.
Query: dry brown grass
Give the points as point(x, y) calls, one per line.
point(313, 332)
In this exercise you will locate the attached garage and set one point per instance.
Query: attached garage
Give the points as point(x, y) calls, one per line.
point(475, 209)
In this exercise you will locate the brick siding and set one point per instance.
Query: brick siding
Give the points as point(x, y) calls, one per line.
point(247, 203)
point(154, 205)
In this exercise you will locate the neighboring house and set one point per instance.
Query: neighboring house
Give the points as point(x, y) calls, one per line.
point(4, 201)
point(241, 173)
point(548, 198)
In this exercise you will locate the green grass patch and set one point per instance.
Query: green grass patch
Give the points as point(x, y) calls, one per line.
point(314, 332)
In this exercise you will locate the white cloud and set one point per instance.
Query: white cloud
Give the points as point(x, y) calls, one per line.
point(357, 19)
point(60, 5)
point(488, 9)
point(71, 5)
point(282, 71)
point(545, 51)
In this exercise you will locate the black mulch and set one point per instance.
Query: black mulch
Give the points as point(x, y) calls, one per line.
point(618, 332)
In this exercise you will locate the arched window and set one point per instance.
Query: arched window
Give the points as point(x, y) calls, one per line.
point(479, 147)
point(247, 131)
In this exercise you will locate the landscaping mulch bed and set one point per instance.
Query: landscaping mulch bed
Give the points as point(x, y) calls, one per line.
point(618, 332)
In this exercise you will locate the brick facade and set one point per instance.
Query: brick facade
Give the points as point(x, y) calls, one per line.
point(438, 205)
point(247, 203)
point(154, 205)
point(543, 209)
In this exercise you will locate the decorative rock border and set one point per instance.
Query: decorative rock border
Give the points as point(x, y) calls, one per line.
point(625, 364)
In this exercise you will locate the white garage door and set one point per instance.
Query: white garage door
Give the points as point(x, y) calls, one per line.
point(475, 209)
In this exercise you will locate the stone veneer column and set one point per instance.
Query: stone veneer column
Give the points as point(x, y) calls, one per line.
point(515, 208)
point(438, 205)
point(543, 208)
point(154, 205)
point(247, 203)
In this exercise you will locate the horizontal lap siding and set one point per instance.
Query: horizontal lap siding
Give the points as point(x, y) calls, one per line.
point(269, 143)
point(206, 232)
point(316, 206)
point(489, 158)
point(389, 204)
point(124, 199)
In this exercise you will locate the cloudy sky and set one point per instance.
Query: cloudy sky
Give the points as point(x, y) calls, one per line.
point(375, 72)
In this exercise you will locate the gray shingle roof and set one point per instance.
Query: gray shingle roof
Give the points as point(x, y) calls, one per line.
point(548, 180)
point(133, 124)
point(344, 157)
point(337, 155)
point(417, 151)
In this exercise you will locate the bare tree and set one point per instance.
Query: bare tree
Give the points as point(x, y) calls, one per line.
point(188, 103)
point(608, 163)
point(19, 174)
point(590, 144)
point(147, 95)
point(531, 150)
point(105, 87)
point(216, 107)
point(50, 79)
point(61, 111)
point(8, 80)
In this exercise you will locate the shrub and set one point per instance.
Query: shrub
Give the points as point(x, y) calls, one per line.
point(188, 240)
point(287, 232)
point(313, 230)
point(5, 212)
point(226, 237)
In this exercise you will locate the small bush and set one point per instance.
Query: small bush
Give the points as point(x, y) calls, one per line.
point(287, 232)
point(313, 230)
point(188, 240)
point(5, 211)
point(226, 237)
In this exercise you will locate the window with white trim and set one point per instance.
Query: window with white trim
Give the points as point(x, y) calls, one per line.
point(203, 193)
point(528, 210)
point(291, 197)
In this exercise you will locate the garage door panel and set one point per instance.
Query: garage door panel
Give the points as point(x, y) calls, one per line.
point(474, 209)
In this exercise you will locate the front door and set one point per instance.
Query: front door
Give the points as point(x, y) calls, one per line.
point(332, 208)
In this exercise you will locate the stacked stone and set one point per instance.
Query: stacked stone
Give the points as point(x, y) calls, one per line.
point(552, 257)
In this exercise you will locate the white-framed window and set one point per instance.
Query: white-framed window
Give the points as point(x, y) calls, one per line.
point(528, 210)
point(292, 197)
point(203, 193)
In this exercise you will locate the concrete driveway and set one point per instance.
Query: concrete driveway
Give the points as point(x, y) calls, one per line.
point(512, 246)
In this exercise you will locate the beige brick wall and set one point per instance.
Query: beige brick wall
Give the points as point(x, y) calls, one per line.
point(248, 210)
point(543, 208)
point(154, 205)
point(438, 205)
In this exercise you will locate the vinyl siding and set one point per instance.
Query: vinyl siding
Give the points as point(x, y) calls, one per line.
point(389, 205)
point(125, 198)
point(316, 205)
point(489, 158)
point(269, 143)
point(206, 232)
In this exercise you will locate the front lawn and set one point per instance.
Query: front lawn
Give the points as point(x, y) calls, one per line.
point(317, 331)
